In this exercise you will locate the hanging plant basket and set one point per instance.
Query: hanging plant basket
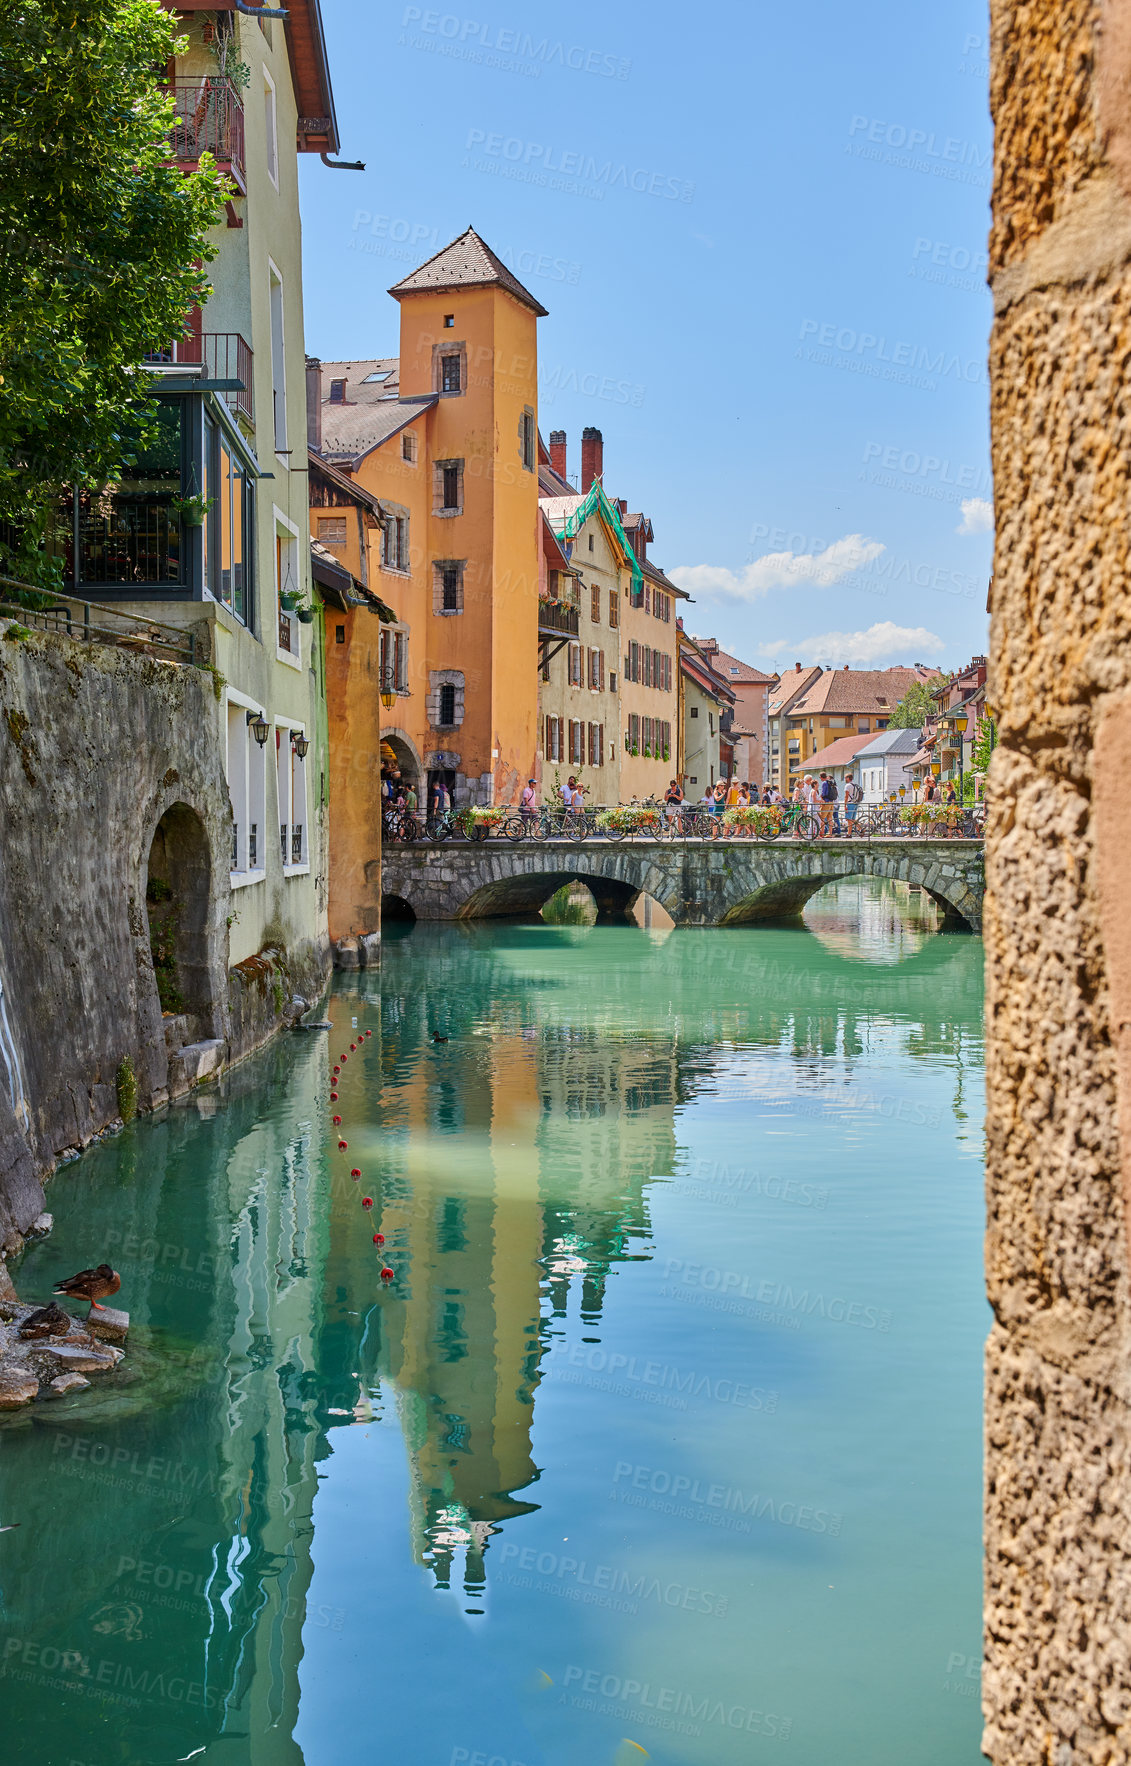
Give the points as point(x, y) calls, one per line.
point(190, 511)
point(304, 615)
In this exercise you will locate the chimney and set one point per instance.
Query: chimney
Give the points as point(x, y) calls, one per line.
point(314, 404)
point(558, 451)
point(592, 457)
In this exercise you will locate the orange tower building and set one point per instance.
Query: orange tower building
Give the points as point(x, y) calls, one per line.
point(446, 436)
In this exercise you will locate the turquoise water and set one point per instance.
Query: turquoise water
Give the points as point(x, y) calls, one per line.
point(662, 1443)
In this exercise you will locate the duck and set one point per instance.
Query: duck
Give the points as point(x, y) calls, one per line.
point(91, 1284)
point(436, 1037)
point(48, 1321)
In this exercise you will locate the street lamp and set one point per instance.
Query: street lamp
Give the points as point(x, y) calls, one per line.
point(388, 692)
point(960, 724)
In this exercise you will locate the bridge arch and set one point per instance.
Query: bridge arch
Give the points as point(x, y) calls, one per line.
point(699, 883)
point(784, 895)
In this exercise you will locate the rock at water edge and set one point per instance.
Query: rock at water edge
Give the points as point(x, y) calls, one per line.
point(18, 1386)
point(108, 1324)
point(67, 1383)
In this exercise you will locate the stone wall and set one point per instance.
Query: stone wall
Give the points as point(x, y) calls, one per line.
point(698, 882)
point(1057, 1684)
point(98, 748)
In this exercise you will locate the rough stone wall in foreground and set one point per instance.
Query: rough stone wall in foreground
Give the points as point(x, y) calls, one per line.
point(96, 745)
point(1057, 1682)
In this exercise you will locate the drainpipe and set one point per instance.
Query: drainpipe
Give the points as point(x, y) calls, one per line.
point(342, 165)
point(260, 11)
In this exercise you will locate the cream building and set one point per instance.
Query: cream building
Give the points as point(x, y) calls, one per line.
point(211, 532)
point(581, 676)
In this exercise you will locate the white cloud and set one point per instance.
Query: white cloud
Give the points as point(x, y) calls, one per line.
point(883, 642)
point(779, 570)
point(977, 516)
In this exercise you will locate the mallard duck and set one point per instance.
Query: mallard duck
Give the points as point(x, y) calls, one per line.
point(91, 1284)
point(49, 1321)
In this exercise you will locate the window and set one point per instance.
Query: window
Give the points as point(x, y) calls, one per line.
point(528, 459)
point(632, 734)
point(612, 680)
point(294, 848)
point(447, 585)
point(574, 665)
point(332, 530)
point(392, 661)
point(445, 703)
point(278, 362)
point(595, 604)
point(596, 744)
point(597, 670)
point(576, 742)
point(127, 534)
point(632, 662)
point(647, 597)
point(408, 448)
point(272, 133)
point(647, 656)
point(288, 589)
point(450, 374)
point(339, 634)
point(231, 519)
point(614, 609)
point(710, 723)
point(694, 711)
point(394, 541)
point(379, 378)
point(590, 542)
point(247, 787)
point(554, 739)
point(337, 392)
point(447, 487)
point(449, 321)
point(648, 736)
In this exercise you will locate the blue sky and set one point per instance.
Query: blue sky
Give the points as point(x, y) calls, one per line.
point(760, 232)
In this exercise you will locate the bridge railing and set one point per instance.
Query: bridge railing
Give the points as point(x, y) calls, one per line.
point(628, 822)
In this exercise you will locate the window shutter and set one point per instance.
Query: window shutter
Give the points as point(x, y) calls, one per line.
point(601, 669)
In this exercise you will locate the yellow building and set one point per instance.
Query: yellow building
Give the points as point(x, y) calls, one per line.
point(813, 707)
point(650, 683)
point(445, 434)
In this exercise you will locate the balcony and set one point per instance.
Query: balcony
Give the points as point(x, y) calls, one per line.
point(557, 624)
point(209, 119)
point(557, 617)
point(223, 355)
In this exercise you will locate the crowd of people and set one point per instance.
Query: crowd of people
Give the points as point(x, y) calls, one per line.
point(817, 794)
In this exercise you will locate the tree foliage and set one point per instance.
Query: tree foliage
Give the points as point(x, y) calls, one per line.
point(101, 243)
point(916, 705)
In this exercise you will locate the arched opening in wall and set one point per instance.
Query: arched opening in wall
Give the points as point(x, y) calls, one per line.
point(395, 910)
point(178, 899)
point(400, 766)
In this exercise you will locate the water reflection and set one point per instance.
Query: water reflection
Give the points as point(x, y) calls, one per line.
point(311, 1475)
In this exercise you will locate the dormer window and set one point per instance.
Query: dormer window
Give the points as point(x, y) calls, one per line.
point(337, 392)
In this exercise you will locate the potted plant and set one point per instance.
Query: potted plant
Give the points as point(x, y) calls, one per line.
point(190, 511)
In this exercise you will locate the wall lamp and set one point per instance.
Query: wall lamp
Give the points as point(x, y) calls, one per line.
point(259, 727)
point(300, 743)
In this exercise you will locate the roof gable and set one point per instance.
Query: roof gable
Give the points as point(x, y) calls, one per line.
point(468, 262)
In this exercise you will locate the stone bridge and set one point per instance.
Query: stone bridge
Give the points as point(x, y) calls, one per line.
point(698, 882)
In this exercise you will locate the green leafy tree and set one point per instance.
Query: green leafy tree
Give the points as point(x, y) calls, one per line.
point(101, 247)
point(916, 705)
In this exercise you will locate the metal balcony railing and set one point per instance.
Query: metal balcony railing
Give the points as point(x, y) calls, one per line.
point(209, 119)
point(224, 355)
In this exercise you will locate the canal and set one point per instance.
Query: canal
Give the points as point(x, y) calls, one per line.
point(661, 1441)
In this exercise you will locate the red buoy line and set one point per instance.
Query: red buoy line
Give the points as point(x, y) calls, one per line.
point(387, 1274)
